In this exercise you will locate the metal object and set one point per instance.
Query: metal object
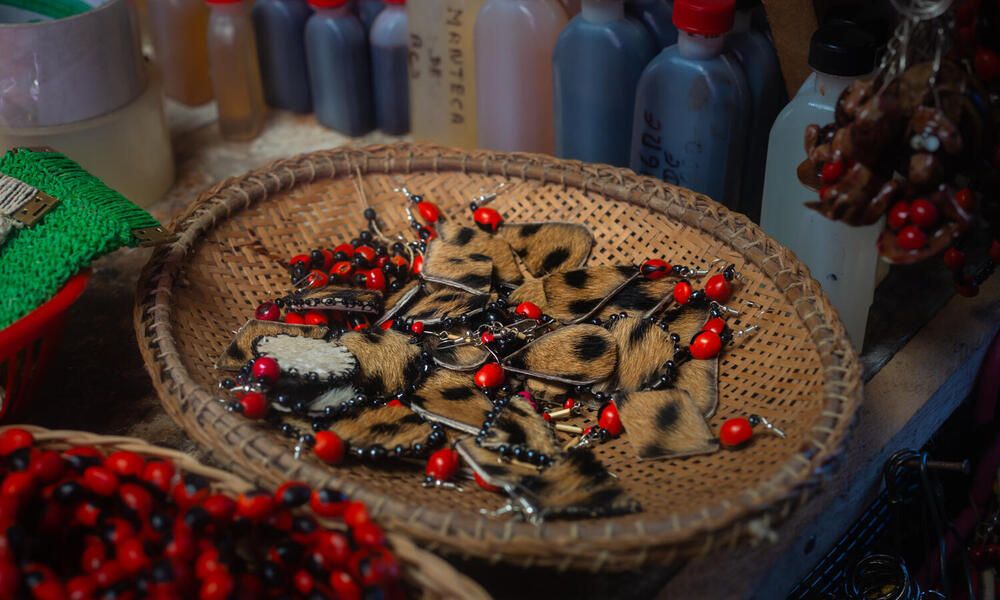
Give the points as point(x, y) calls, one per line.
point(61, 71)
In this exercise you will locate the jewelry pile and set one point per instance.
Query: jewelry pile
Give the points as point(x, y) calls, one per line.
point(475, 343)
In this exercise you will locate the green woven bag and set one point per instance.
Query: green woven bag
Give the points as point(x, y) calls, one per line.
point(55, 218)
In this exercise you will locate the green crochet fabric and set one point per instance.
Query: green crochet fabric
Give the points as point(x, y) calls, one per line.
point(90, 220)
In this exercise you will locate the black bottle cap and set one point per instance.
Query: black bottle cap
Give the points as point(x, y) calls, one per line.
point(877, 18)
point(842, 49)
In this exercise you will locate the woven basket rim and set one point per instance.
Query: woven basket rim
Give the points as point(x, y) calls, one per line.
point(421, 568)
point(722, 525)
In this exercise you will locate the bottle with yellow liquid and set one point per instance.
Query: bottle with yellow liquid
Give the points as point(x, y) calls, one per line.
point(232, 52)
point(442, 71)
point(178, 29)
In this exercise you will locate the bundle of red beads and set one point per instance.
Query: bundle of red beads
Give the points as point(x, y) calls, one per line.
point(78, 524)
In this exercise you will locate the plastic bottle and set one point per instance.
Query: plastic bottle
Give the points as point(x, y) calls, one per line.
point(691, 106)
point(390, 82)
point(767, 97)
point(596, 66)
point(572, 7)
point(656, 15)
point(339, 73)
point(281, 50)
point(842, 258)
point(178, 29)
point(232, 54)
point(368, 10)
point(514, 42)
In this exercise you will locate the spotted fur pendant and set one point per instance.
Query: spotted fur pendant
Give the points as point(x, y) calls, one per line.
point(452, 399)
point(335, 297)
point(574, 355)
point(700, 378)
point(397, 301)
point(466, 258)
point(465, 357)
point(388, 362)
point(549, 247)
point(516, 424)
point(664, 424)
point(438, 302)
point(389, 427)
point(643, 348)
point(242, 348)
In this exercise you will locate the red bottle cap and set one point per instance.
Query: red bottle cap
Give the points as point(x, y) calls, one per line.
point(704, 17)
point(223, 1)
point(327, 3)
point(395, 1)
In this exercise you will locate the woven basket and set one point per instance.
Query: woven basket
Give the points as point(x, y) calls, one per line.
point(428, 576)
point(799, 372)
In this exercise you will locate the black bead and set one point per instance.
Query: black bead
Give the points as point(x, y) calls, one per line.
point(340, 256)
point(479, 440)
point(517, 452)
point(300, 406)
point(399, 450)
point(360, 452)
point(473, 206)
point(227, 384)
point(365, 236)
point(376, 452)
point(283, 400)
point(160, 522)
point(162, 571)
point(754, 420)
point(19, 459)
point(380, 251)
point(369, 213)
point(316, 258)
point(418, 448)
point(355, 242)
point(675, 338)
point(304, 525)
point(531, 456)
point(69, 491)
point(196, 518)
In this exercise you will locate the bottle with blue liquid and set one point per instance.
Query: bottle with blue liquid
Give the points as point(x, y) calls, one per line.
point(281, 50)
point(656, 15)
point(690, 121)
point(339, 70)
point(759, 60)
point(368, 10)
point(390, 81)
point(596, 66)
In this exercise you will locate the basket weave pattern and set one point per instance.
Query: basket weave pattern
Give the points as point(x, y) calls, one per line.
point(798, 371)
point(428, 576)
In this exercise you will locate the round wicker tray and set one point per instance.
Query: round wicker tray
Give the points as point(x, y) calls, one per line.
point(799, 371)
point(428, 576)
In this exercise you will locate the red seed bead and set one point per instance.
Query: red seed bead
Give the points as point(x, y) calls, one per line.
point(899, 215)
point(92, 557)
point(832, 171)
point(399, 261)
point(417, 327)
point(366, 251)
point(317, 279)
point(954, 259)
point(610, 420)
point(17, 485)
point(266, 369)
point(329, 447)
point(387, 325)
point(100, 480)
point(375, 280)
point(418, 264)
point(316, 317)
point(967, 288)
point(706, 345)
point(356, 514)
point(489, 376)
point(965, 199)
point(487, 337)
point(682, 292)
point(335, 547)
point(299, 258)
point(220, 507)
point(715, 325)
point(86, 514)
point(125, 463)
point(569, 403)
point(487, 218)
point(131, 555)
point(328, 502)
point(529, 310)
point(159, 473)
point(9, 579)
point(117, 530)
point(483, 484)
point(49, 589)
point(295, 318)
point(394, 402)
point(345, 248)
point(382, 261)
point(303, 582)
point(428, 211)
point(735, 432)
point(357, 322)
point(995, 251)
point(254, 505)
point(267, 311)
point(109, 574)
point(717, 288)
point(217, 586)
point(341, 271)
point(254, 405)
point(368, 535)
point(655, 269)
point(911, 238)
point(15, 439)
point(344, 586)
point(987, 64)
point(80, 587)
point(443, 464)
point(546, 417)
point(208, 564)
point(923, 213)
point(46, 466)
point(137, 498)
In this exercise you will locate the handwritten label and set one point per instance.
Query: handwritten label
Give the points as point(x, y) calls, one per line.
point(455, 23)
point(659, 161)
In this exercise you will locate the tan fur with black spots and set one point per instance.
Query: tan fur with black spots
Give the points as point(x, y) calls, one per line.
point(575, 295)
point(452, 399)
point(700, 378)
point(336, 297)
point(664, 424)
point(466, 357)
point(532, 290)
point(387, 361)
point(549, 247)
point(386, 426)
point(439, 301)
point(470, 240)
point(643, 348)
point(240, 350)
point(638, 297)
point(578, 485)
point(398, 300)
point(519, 425)
point(574, 354)
point(455, 266)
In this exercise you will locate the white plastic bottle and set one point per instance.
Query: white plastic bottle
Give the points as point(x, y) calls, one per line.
point(843, 259)
point(514, 99)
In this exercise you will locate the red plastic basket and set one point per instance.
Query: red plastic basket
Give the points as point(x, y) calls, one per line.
point(28, 345)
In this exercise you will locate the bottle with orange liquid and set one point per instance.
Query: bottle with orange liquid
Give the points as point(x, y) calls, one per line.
point(232, 52)
point(178, 29)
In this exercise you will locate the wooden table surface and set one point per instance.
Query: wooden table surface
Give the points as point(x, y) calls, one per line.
point(921, 357)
